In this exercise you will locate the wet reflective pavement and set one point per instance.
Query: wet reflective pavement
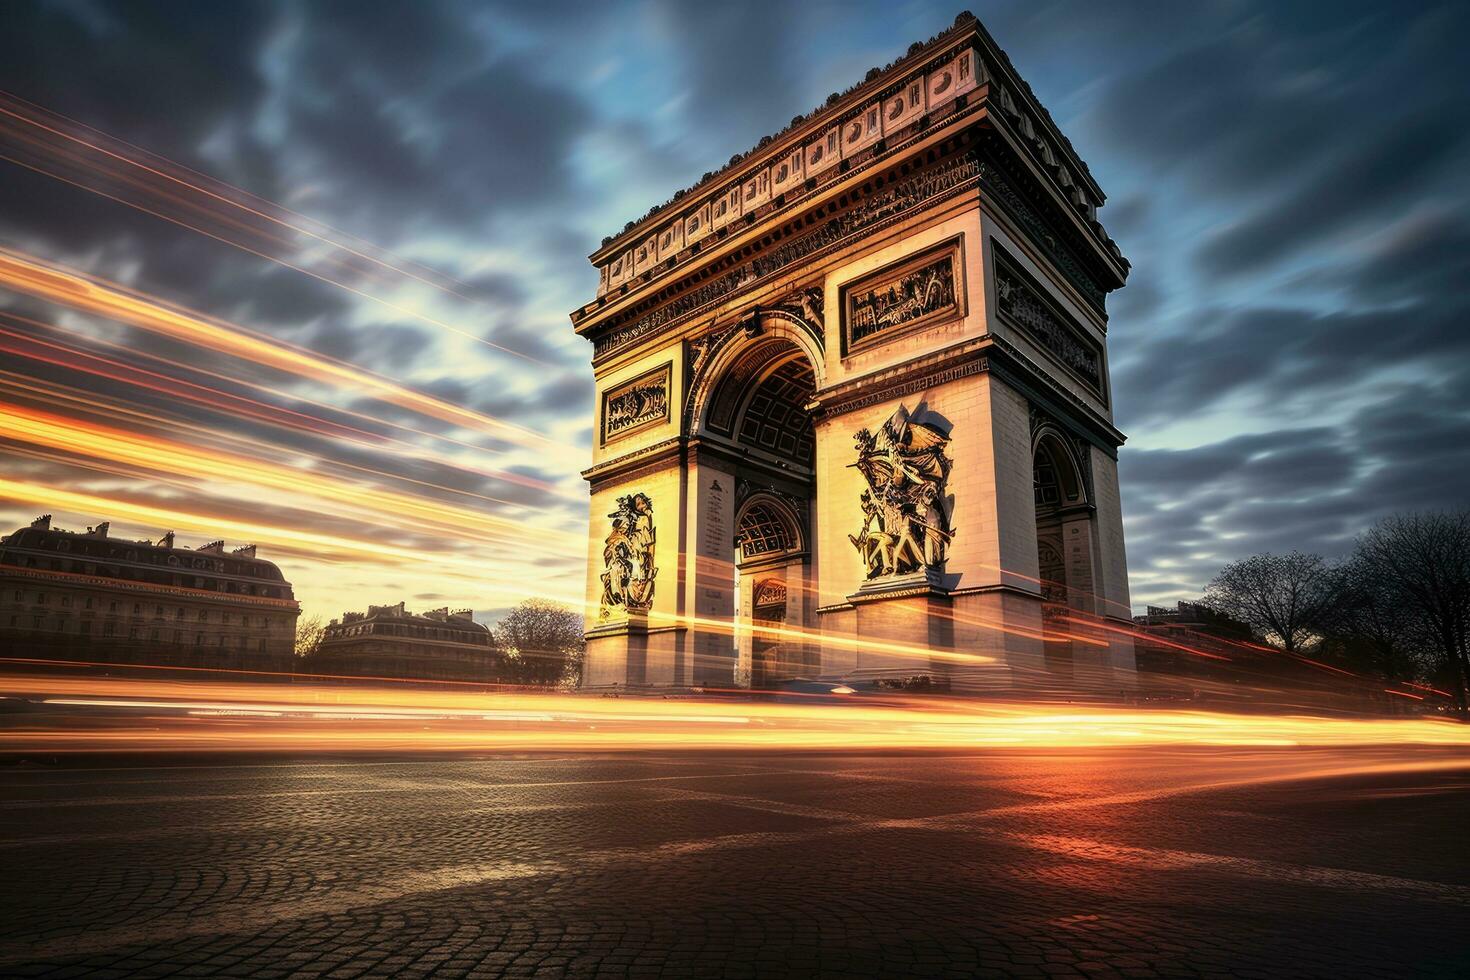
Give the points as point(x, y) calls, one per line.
point(1137, 863)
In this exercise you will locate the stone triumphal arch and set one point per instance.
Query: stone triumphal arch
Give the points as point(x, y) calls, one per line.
point(853, 408)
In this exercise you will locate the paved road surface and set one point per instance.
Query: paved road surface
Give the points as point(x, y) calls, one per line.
point(1182, 862)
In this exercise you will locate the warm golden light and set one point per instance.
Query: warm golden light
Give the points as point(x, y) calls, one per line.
point(244, 716)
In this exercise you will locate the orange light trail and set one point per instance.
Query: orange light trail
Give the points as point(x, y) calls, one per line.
point(110, 300)
point(362, 718)
point(387, 507)
point(57, 393)
point(87, 362)
point(170, 195)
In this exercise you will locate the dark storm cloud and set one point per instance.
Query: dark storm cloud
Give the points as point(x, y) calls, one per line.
point(1373, 181)
point(1268, 353)
point(737, 64)
point(159, 72)
point(390, 348)
point(1288, 179)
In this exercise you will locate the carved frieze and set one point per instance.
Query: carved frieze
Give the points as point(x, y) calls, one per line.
point(1021, 302)
point(1002, 187)
point(628, 556)
point(635, 404)
point(905, 509)
point(905, 296)
point(806, 303)
point(892, 201)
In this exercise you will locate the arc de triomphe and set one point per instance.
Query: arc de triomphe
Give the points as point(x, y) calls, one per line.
point(853, 408)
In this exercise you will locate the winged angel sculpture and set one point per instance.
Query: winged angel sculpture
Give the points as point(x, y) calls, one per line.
point(905, 513)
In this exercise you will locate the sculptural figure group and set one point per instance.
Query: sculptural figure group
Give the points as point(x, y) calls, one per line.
point(905, 513)
point(628, 555)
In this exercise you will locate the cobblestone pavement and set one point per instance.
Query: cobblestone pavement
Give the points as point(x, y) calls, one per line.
point(1185, 862)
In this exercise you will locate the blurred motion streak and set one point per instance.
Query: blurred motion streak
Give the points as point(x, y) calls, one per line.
point(85, 714)
point(99, 297)
point(224, 402)
point(389, 508)
point(207, 206)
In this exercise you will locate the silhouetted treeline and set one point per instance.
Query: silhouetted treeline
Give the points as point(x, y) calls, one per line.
point(1397, 606)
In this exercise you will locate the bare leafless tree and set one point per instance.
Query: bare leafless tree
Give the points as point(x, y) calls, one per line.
point(1284, 597)
point(309, 630)
point(1371, 627)
point(542, 642)
point(1422, 563)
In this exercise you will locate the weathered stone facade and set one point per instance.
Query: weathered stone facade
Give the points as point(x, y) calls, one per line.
point(390, 641)
point(861, 378)
point(88, 596)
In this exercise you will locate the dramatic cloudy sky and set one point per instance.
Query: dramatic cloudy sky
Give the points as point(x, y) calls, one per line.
point(1288, 180)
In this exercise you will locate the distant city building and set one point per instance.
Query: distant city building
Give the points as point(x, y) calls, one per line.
point(1193, 652)
point(390, 641)
point(86, 596)
point(1195, 617)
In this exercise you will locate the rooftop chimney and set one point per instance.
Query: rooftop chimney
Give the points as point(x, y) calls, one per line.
point(246, 551)
point(167, 541)
point(100, 531)
point(213, 548)
point(43, 522)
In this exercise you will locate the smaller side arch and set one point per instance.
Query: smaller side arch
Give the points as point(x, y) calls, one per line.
point(767, 528)
point(1056, 470)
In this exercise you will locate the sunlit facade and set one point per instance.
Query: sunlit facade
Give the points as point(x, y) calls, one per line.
point(854, 407)
point(390, 641)
point(88, 596)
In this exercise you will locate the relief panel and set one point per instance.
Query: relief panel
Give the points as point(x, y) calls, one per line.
point(1023, 304)
point(635, 404)
point(905, 296)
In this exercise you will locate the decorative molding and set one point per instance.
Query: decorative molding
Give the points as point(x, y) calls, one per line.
point(701, 348)
point(884, 206)
point(769, 592)
point(1028, 378)
point(633, 464)
point(1002, 188)
point(636, 404)
point(950, 365)
point(906, 296)
point(1024, 304)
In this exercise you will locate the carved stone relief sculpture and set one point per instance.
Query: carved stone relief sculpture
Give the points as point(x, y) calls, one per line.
point(627, 555)
point(908, 295)
point(640, 402)
point(1020, 302)
point(905, 511)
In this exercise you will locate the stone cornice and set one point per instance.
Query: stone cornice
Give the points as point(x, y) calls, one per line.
point(739, 237)
point(989, 353)
point(647, 459)
point(75, 580)
point(812, 238)
point(921, 66)
point(903, 380)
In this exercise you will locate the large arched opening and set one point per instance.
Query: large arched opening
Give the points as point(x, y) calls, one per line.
point(750, 405)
